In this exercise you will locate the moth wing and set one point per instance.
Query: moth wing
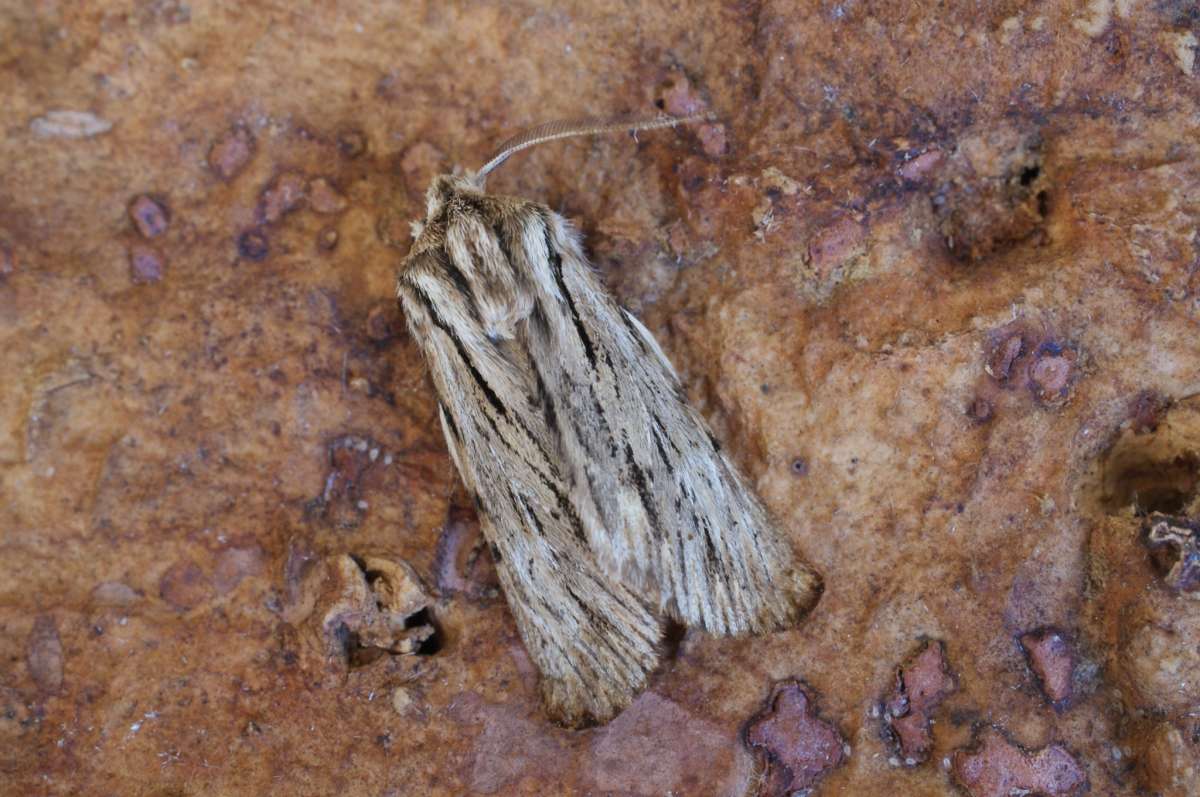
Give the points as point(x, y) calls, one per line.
point(663, 506)
point(594, 639)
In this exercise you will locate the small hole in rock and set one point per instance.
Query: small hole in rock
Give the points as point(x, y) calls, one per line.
point(431, 645)
point(1029, 174)
point(357, 654)
point(1148, 486)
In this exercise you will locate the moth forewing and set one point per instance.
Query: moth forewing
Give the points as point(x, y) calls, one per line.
point(605, 498)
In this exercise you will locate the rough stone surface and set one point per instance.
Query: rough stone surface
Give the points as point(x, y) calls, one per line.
point(888, 192)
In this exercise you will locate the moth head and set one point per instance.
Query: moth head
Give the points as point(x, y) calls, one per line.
point(445, 187)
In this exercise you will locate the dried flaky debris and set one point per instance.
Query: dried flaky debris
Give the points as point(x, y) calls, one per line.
point(1174, 545)
point(351, 612)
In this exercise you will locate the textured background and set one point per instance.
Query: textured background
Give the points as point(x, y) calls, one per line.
point(933, 279)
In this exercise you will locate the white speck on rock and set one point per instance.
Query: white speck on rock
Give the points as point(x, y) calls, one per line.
point(69, 124)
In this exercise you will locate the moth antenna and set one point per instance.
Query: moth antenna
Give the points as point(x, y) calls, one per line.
point(566, 128)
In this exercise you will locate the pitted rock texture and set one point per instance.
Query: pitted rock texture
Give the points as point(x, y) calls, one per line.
point(930, 273)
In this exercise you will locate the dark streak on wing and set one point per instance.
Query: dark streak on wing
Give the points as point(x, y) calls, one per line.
point(491, 396)
point(446, 264)
point(623, 314)
point(658, 443)
point(556, 268)
point(482, 384)
point(450, 424)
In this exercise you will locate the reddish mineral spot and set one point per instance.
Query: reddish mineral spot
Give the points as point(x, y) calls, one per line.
point(184, 585)
point(800, 747)
point(922, 683)
point(995, 767)
point(44, 655)
point(834, 245)
point(919, 167)
point(1052, 660)
point(713, 139)
point(677, 97)
point(285, 194)
point(145, 264)
point(1050, 375)
point(149, 215)
point(231, 152)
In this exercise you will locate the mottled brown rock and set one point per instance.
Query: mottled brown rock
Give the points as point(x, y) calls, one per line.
point(8, 259)
point(1052, 660)
point(114, 594)
point(234, 564)
point(799, 746)
point(327, 239)
point(351, 143)
point(150, 215)
point(231, 151)
point(834, 249)
point(343, 501)
point(1168, 760)
point(995, 767)
point(981, 410)
point(324, 198)
point(993, 192)
point(421, 163)
point(1158, 661)
point(44, 655)
point(383, 321)
point(922, 683)
point(1147, 410)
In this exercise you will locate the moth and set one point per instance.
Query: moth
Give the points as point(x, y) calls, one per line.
point(607, 504)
